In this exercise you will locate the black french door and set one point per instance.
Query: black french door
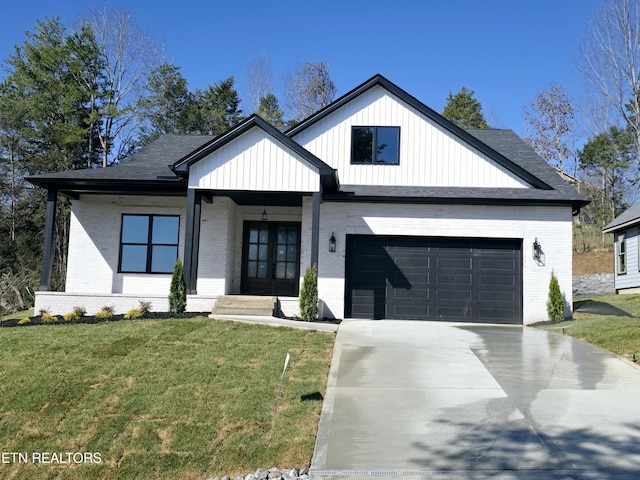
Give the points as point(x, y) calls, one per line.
point(271, 258)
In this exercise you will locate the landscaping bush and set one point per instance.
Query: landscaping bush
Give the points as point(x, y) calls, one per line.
point(145, 307)
point(178, 291)
point(555, 304)
point(106, 312)
point(46, 317)
point(76, 314)
point(134, 313)
point(309, 294)
point(24, 321)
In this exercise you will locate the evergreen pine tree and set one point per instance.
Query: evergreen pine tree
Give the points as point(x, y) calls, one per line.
point(309, 294)
point(178, 291)
point(555, 304)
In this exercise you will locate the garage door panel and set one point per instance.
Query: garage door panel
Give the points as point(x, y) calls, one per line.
point(434, 278)
point(463, 295)
point(506, 264)
point(452, 279)
point(412, 294)
point(453, 262)
point(497, 280)
point(453, 313)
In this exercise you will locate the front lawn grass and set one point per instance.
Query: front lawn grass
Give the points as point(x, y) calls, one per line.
point(179, 398)
point(22, 314)
point(611, 322)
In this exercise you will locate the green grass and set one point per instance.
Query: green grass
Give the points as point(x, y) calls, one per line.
point(611, 322)
point(187, 399)
point(22, 314)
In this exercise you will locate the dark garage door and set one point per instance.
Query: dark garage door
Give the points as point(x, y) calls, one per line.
point(449, 279)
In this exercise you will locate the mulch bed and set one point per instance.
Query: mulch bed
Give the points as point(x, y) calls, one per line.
point(91, 319)
point(117, 318)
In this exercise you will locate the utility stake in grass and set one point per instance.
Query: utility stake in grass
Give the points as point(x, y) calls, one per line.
point(286, 363)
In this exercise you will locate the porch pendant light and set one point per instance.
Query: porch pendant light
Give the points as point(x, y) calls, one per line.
point(264, 215)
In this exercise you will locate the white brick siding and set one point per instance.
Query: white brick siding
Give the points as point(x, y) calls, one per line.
point(93, 281)
point(94, 247)
point(550, 225)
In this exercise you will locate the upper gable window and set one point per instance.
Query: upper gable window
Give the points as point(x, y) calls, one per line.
point(375, 145)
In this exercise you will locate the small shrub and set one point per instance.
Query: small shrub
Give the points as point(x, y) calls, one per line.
point(24, 321)
point(133, 314)
point(75, 314)
point(71, 316)
point(106, 312)
point(178, 291)
point(46, 317)
point(309, 294)
point(555, 304)
point(145, 307)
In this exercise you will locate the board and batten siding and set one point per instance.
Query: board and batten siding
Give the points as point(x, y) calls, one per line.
point(429, 154)
point(630, 279)
point(254, 161)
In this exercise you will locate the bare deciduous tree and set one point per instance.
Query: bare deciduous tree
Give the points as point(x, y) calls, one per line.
point(550, 123)
point(309, 88)
point(610, 59)
point(259, 74)
point(129, 55)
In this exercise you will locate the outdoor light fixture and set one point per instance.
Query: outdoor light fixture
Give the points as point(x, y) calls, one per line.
point(332, 243)
point(537, 249)
point(264, 215)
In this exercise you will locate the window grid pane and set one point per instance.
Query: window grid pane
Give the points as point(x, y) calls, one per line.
point(134, 258)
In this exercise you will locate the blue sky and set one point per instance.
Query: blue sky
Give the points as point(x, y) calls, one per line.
point(505, 50)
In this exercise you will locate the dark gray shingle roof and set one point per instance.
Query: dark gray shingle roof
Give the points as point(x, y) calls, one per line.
point(507, 143)
point(150, 163)
point(626, 219)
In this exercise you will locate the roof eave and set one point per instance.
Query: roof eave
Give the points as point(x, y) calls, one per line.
point(622, 226)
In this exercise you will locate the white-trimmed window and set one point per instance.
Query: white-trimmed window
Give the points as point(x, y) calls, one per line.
point(621, 251)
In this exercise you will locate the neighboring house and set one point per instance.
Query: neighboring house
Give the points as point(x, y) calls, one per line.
point(406, 216)
point(626, 251)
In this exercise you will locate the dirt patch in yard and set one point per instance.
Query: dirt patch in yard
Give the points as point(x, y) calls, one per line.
point(590, 263)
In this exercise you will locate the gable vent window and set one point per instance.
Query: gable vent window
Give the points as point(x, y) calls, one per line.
point(622, 254)
point(375, 145)
point(149, 243)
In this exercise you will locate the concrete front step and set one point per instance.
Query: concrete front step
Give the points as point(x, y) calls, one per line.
point(245, 305)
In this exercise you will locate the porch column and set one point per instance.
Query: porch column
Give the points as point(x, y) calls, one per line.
point(315, 227)
point(192, 239)
point(49, 236)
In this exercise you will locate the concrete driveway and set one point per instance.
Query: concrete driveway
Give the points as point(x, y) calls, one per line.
point(433, 400)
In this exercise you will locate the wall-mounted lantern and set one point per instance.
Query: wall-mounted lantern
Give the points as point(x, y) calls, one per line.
point(264, 215)
point(537, 250)
point(332, 243)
